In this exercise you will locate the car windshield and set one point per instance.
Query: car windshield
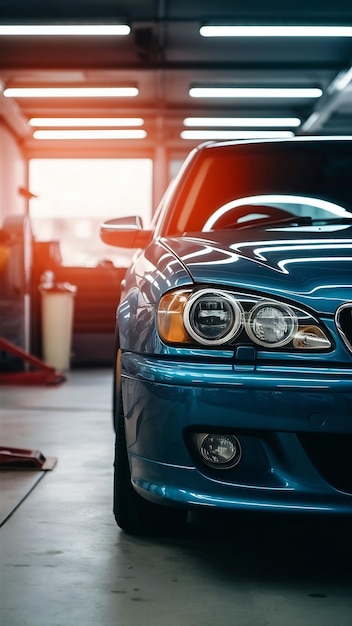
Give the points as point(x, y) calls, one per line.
point(231, 186)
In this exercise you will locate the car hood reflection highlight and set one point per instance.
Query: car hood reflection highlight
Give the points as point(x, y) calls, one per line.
point(293, 263)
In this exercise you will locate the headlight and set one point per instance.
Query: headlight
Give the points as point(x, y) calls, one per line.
point(212, 317)
point(271, 324)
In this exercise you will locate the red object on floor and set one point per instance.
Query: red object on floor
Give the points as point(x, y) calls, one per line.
point(21, 458)
point(43, 373)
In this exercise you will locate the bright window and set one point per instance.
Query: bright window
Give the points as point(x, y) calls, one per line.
point(75, 195)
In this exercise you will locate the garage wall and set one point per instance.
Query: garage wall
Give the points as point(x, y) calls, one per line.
point(14, 232)
point(13, 174)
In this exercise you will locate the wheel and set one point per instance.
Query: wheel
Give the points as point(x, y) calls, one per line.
point(133, 513)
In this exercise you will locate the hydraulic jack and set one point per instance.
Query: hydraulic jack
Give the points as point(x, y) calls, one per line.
point(43, 374)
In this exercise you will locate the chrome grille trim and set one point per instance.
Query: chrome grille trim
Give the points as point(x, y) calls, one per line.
point(345, 339)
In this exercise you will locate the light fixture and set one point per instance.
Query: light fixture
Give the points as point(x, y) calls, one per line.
point(65, 30)
point(203, 135)
point(90, 134)
point(255, 92)
point(343, 80)
point(70, 92)
point(240, 122)
point(84, 122)
point(275, 31)
point(310, 121)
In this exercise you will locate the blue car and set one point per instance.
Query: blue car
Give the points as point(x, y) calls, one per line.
point(233, 377)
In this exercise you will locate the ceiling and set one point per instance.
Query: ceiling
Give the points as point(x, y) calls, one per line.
point(164, 56)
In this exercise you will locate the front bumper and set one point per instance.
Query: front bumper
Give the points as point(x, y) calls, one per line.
point(271, 410)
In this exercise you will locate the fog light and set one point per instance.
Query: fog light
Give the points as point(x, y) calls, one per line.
point(222, 451)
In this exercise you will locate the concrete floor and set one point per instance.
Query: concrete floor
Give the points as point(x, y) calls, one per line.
point(64, 562)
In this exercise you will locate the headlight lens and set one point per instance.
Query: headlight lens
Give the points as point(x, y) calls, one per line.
point(271, 324)
point(212, 317)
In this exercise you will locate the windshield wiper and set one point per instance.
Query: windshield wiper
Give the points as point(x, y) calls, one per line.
point(333, 220)
point(300, 220)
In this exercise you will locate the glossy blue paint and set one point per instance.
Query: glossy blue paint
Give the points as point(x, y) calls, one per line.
point(313, 268)
point(266, 408)
point(316, 273)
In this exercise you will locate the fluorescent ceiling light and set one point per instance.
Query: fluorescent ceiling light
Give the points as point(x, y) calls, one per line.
point(343, 80)
point(82, 122)
point(310, 121)
point(254, 92)
point(65, 29)
point(266, 122)
point(89, 134)
point(203, 135)
point(70, 92)
point(275, 31)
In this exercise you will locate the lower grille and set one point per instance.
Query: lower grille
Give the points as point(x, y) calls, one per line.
point(331, 454)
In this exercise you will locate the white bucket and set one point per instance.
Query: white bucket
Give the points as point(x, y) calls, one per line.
point(57, 322)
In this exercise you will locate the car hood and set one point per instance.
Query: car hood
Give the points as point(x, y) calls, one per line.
point(312, 265)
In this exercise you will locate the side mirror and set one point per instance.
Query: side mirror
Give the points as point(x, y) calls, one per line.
point(125, 232)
